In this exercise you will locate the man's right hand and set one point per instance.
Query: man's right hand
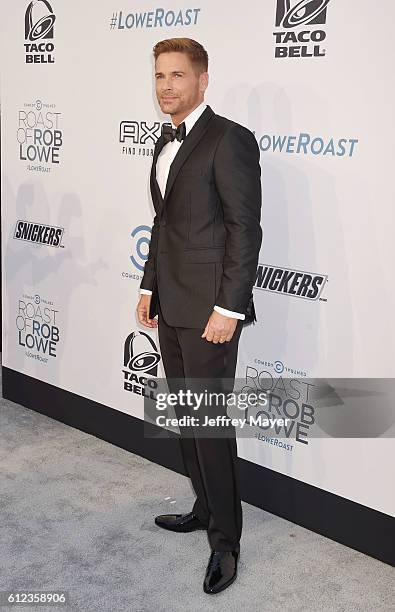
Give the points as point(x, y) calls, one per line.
point(142, 311)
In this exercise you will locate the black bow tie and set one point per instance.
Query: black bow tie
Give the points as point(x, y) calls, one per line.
point(169, 133)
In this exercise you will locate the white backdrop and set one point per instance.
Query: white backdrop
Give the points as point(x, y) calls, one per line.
point(325, 124)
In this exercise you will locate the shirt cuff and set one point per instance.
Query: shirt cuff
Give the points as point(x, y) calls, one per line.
point(145, 292)
point(229, 313)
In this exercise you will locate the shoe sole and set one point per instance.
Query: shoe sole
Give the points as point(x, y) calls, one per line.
point(175, 530)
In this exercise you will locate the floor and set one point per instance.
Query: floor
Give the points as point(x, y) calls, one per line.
point(77, 515)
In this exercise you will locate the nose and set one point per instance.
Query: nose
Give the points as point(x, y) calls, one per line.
point(166, 84)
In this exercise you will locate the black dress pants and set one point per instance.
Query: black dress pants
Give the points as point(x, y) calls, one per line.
point(210, 462)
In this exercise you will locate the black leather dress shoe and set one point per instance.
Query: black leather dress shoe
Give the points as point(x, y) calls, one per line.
point(221, 570)
point(180, 522)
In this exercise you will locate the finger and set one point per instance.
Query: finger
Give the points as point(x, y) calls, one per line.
point(209, 335)
point(216, 337)
point(205, 330)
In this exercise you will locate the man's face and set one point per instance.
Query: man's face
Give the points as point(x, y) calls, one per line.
point(178, 88)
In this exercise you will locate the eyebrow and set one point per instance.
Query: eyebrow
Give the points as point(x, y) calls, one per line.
point(173, 72)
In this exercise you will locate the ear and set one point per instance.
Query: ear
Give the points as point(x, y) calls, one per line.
point(203, 81)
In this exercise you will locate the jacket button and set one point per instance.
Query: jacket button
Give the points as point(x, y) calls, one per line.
point(163, 222)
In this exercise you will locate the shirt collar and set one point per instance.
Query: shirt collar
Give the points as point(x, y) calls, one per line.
point(191, 119)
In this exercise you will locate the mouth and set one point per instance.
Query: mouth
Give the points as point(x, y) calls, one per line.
point(168, 99)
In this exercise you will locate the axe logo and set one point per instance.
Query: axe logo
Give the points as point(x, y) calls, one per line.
point(138, 138)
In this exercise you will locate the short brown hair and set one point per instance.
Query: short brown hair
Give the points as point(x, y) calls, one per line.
point(195, 51)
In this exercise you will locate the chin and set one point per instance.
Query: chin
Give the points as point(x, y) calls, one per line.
point(170, 110)
point(166, 106)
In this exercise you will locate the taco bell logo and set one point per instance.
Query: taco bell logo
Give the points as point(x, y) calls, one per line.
point(140, 363)
point(39, 31)
point(295, 36)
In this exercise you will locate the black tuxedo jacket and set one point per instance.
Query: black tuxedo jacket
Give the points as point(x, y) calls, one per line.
point(206, 235)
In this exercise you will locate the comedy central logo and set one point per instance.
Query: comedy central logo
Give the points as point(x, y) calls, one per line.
point(138, 138)
point(307, 285)
point(39, 26)
point(295, 36)
point(141, 236)
point(140, 358)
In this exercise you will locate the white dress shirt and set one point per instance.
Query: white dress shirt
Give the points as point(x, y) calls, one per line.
point(163, 164)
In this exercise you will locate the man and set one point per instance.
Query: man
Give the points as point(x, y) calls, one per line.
point(198, 277)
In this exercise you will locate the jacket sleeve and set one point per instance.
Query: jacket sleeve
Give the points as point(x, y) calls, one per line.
point(149, 276)
point(237, 174)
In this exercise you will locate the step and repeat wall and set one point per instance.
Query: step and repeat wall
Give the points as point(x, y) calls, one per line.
point(79, 119)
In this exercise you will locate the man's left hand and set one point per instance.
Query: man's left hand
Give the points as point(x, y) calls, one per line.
point(219, 328)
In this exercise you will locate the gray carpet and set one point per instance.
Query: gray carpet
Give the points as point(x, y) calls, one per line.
point(78, 514)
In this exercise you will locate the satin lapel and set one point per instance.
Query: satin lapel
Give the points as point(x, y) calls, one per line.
point(190, 142)
point(155, 191)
